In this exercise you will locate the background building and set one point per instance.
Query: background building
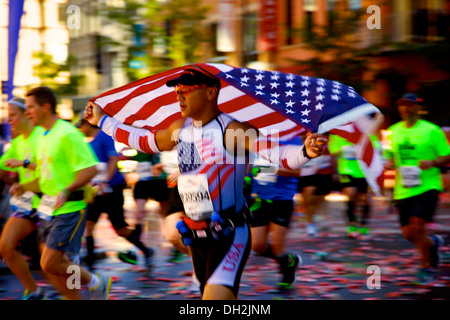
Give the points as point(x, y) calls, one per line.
point(43, 29)
point(383, 48)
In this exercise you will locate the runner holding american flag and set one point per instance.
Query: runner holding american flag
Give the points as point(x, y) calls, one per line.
point(213, 154)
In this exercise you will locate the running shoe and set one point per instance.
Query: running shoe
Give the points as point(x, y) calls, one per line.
point(128, 257)
point(101, 291)
point(352, 231)
point(364, 231)
point(289, 270)
point(311, 229)
point(148, 260)
point(176, 256)
point(425, 277)
point(194, 287)
point(39, 295)
point(438, 241)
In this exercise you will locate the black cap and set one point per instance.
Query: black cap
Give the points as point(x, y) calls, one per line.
point(409, 99)
point(192, 77)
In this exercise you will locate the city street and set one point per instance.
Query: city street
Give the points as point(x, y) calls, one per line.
point(334, 266)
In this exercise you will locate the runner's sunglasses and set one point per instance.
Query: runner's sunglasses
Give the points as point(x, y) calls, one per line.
point(183, 89)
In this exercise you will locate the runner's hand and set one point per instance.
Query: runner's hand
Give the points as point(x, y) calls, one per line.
point(93, 113)
point(13, 163)
point(314, 144)
point(173, 177)
point(63, 196)
point(426, 164)
point(16, 189)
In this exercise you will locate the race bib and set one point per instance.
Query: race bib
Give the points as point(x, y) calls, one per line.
point(325, 161)
point(267, 172)
point(143, 169)
point(102, 175)
point(46, 207)
point(22, 204)
point(194, 193)
point(348, 153)
point(410, 176)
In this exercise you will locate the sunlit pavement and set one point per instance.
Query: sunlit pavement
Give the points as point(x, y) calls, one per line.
point(334, 267)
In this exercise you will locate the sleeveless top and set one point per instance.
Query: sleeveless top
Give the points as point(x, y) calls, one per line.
point(201, 152)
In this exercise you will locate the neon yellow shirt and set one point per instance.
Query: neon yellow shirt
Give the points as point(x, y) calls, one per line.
point(423, 141)
point(61, 153)
point(347, 164)
point(23, 148)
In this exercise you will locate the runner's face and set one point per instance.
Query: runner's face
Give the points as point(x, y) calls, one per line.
point(34, 111)
point(16, 118)
point(192, 102)
point(408, 111)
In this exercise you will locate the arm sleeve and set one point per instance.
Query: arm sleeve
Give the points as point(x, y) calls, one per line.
point(140, 139)
point(287, 156)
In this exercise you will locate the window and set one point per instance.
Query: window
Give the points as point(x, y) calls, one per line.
point(249, 37)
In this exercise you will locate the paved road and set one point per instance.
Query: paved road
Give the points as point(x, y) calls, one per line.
point(334, 267)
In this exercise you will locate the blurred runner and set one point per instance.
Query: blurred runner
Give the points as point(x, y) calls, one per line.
point(419, 150)
point(110, 184)
point(314, 184)
point(272, 209)
point(65, 165)
point(21, 159)
point(353, 184)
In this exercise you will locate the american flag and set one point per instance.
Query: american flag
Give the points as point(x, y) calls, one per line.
point(276, 103)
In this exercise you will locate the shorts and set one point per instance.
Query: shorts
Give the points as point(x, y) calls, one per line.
point(151, 189)
point(349, 181)
point(322, 182)
point(421, 206)
point(31, 216)
point(64, 232)
point(275, 211)
point(110, 203)
point(222, 262)
point(174, 202)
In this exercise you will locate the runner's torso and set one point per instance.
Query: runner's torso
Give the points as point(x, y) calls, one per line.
point(203, 160)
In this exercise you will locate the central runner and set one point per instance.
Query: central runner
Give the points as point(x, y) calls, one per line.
point(213, 151)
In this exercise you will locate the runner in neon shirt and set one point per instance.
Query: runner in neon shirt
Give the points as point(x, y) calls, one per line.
point(65, 164)
point(352, 182)
point(419, 149)
point(21, 159)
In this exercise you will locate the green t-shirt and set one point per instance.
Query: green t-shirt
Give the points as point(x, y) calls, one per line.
point(61, 153)
point(23, 148)
point(151, 158)
point(347, 163)
point(423, 141)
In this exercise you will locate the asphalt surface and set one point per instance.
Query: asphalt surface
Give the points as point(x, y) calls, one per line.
point(334, 266)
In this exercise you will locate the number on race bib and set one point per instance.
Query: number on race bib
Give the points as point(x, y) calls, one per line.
point(194, 193)
point(22, 204)
point(46, 207)
point(410, 176)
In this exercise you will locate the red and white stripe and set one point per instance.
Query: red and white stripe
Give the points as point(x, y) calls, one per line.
point(148, 103)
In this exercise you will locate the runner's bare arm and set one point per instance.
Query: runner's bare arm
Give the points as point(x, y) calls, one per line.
point(82, 178)
point(241, 137)
point(140, 139)
point(18, 189)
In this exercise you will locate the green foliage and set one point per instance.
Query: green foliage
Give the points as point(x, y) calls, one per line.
point(56, 76)
point(162, 34)
point(348, 62)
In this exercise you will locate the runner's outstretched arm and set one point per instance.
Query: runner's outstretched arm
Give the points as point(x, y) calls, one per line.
point(241, 136)
point(137, 138)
